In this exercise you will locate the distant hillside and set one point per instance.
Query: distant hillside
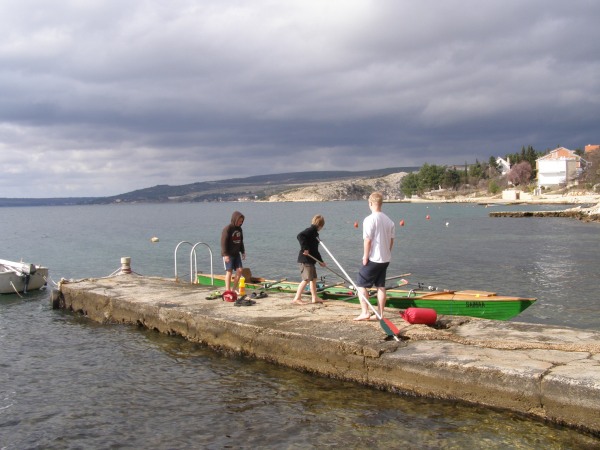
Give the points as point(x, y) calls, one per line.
point(350, 189)
point(259, 187)
point(66, 201)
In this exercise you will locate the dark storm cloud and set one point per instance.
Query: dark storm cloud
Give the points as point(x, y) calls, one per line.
point(108, 96)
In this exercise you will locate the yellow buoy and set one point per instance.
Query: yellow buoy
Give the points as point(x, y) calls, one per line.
point(154, 239)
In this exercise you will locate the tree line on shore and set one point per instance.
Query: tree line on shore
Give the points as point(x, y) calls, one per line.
point(487, 176)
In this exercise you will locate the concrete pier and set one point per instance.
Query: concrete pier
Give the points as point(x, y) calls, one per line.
point(570, 213)
point(545, 372)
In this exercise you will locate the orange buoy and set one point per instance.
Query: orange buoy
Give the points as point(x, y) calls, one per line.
point(355, 224)
point(427, 217)
point(402, 223)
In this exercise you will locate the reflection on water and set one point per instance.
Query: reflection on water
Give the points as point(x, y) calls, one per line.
point(125, 387)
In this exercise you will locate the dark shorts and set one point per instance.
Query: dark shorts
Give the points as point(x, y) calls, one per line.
point(373, 274)
point(308, 272)
point(235, 262)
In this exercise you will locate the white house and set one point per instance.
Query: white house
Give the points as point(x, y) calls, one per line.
point(503, 165)
point(559, 167)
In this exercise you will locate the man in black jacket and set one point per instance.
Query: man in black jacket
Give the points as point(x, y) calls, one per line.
point(309, 249)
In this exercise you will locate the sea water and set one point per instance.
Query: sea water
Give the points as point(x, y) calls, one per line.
point(67, 382)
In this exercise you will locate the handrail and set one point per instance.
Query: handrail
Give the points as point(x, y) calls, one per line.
point(194, 272)
point(194, 262)
point(175, 256)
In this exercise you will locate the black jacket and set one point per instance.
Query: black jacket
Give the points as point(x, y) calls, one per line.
point(309, 240)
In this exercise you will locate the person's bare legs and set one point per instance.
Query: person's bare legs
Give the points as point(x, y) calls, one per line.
point(313, 291)
point(228, 280)
point(381, 299)
point(365, 314)
point(298, 297)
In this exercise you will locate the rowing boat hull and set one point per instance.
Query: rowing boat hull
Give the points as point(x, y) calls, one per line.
point(472, 303)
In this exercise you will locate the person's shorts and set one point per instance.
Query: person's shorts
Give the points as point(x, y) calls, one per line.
point(235, 262)
point(373, 274)
point(308, 272)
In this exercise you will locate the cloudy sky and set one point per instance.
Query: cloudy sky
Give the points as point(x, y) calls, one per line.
point(101, 97)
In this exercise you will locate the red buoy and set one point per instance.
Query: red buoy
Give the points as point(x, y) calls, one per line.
point(402, 223)
point(427, 217)
point(355, 224)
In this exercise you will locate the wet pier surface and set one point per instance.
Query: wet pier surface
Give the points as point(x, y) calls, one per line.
point(546, 372)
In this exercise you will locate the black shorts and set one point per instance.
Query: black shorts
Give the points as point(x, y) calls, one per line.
point(373, 274)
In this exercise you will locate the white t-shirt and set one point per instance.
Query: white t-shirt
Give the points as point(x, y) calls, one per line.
point(380, 229)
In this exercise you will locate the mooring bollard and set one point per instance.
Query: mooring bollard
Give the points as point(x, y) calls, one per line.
point(126, 264)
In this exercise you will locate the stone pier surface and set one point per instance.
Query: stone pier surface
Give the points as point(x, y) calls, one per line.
point(546, 372)
point(575, 213)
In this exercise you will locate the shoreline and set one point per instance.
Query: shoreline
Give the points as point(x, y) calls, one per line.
point(544, 199)
point(585, 207)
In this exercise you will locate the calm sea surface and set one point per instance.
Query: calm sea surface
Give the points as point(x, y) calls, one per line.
point(66, 382)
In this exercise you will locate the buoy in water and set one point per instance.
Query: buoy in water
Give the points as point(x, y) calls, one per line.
point(154, 239)
point(427, 217)
point(402, 223)
point(355, 224)
point(447, 224)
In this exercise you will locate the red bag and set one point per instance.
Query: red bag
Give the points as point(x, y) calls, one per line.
point(229, 296)
point(424, 316)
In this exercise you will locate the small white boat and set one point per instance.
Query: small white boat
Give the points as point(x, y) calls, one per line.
point(18, 277)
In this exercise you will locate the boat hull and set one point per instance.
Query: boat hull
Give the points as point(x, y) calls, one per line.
point(472, 303)
point(482, 304)
point(11, 282)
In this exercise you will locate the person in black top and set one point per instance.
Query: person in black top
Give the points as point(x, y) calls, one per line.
point(309, 246)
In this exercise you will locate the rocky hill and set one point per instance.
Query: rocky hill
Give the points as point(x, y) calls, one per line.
point(296, 186)
point(321, 185)
point(357, 189)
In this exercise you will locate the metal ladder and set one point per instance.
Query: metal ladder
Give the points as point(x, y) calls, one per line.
point(194, 263)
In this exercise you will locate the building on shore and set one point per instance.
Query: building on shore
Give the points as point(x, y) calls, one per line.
point(560, 167)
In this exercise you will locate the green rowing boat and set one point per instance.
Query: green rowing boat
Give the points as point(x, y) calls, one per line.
point(473, 303)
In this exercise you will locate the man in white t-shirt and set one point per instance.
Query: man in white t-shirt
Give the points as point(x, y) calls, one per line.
point(378, 240)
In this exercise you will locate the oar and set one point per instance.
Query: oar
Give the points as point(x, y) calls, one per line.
point(399, 276)
point(270, 285)
point(423, 287)
point(329, 268)
point(386, 324)
point(401, 283)
point(327, 286)
point(343, 278)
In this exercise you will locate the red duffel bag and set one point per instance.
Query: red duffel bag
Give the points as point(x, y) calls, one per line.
point(229, 296)
point(424, 316)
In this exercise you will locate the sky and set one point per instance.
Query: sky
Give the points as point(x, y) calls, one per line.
point(102, 97)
